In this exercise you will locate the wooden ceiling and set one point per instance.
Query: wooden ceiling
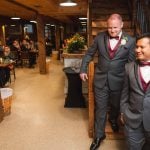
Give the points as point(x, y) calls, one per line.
point(29, 9)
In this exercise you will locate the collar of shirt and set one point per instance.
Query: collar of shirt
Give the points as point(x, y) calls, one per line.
point(113, 42)
point(120, 34)
point(143, 63)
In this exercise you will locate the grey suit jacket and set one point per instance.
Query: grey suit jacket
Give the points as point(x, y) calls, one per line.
point(111, 70)
point(135, 103)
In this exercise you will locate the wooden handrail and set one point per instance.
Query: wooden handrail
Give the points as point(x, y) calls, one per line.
point(91, 98)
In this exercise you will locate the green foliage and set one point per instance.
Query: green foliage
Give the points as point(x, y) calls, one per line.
point(76, 43)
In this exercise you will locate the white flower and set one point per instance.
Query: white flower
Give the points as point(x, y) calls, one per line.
point(123, 41)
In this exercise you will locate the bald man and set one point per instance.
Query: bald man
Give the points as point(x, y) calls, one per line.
point(115, 48)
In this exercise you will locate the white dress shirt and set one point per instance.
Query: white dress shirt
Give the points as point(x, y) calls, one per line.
point(145, 72)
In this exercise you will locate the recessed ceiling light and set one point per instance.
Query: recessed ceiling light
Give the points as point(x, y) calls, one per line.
point(82, 18)
point(15, 18)
point(33, 21)
point(68, 3)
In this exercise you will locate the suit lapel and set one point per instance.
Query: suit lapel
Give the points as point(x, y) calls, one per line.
point(137, 76)
point(106, 44)
point(148, 89)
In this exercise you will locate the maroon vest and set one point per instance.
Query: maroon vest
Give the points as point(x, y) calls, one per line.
point(113, 51)
point(144, 84)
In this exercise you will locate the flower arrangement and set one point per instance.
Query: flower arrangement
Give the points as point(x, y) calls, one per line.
point(124, 40)
point(75, 43)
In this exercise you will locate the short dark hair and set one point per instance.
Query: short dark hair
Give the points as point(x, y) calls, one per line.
point(144, 35)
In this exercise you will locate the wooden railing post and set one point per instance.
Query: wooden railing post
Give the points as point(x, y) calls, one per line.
point(41, 44)
point(91, 98)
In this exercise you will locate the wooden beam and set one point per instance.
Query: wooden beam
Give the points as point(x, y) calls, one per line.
point(41, 44)
point(89, 24)
point(57, 38)
point(21, 5)
point(16, 10)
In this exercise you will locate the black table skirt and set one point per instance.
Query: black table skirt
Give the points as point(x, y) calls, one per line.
point(74, 97)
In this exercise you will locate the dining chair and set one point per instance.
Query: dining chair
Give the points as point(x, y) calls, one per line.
point(24, 58)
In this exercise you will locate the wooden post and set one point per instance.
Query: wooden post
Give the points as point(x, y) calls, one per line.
point(41, 44)
point(91, 98)
point(57, 38)
point(90, 72)
point(89, 23)
point(2, 35)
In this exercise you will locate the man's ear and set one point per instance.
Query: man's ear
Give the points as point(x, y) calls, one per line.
point(122, 25)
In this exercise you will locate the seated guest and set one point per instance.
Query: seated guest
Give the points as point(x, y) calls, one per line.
point(7, 58)
point(33, 51)
point(25, 47)
point(16, 49)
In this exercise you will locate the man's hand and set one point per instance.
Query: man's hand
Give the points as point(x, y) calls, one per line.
point(84, 76)
point(122, 119)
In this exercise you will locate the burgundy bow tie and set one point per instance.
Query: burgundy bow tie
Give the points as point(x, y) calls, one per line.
point(116, 37)
point(144, 63)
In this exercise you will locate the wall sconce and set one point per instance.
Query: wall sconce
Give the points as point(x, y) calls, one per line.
point(68, 3)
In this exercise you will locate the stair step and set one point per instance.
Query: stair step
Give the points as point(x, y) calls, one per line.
point(110, 135)
point(108, 1)
point(95, 31)
point(104, 17)
point(110, 5)
point(100, 24)
point(104, 11)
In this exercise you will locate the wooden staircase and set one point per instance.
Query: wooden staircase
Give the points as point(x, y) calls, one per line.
point(99, 11)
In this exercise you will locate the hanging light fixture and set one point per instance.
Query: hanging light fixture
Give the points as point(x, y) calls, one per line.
point(68, 3)
point(15, 17)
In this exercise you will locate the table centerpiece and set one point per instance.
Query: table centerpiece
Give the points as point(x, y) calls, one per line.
point(75, 44)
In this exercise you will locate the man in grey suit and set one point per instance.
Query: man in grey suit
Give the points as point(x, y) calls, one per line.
point(135, 99)
point(115, 48)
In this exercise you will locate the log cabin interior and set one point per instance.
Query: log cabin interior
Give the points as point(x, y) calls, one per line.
point(58, 23)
